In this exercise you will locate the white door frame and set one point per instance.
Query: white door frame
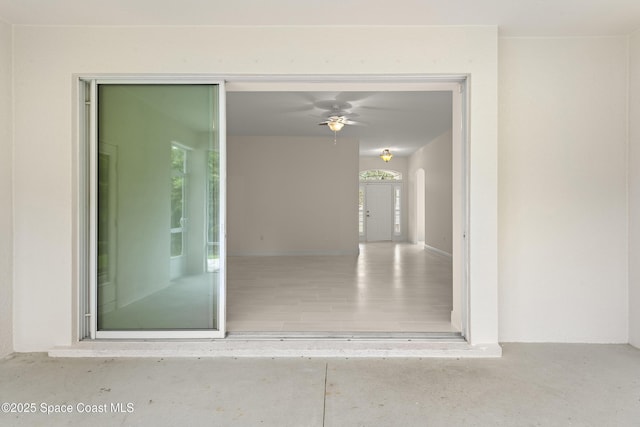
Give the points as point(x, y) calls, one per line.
point(455, 83)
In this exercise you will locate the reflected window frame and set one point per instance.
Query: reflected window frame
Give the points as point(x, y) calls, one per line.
point(183, 175)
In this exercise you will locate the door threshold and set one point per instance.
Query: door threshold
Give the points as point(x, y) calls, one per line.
point(345, 336)
point(294, 345)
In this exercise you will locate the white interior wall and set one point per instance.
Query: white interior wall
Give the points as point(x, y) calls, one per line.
point(562, 190)
point(46, 58)
point(288, 195)
point(6, 189)
point(435, 158)
point(634, 189)
point(398, 164)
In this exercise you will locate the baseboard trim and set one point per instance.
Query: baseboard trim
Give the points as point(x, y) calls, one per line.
point(437, 251)
point(374, 348)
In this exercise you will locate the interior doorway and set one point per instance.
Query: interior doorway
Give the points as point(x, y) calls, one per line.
point(265, 255)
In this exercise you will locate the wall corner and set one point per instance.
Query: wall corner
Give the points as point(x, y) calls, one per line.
point(6, 189)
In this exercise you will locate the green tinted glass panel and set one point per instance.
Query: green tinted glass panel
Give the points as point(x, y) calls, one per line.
point(176, 243)
point(178, 159)
point(177, 200)
point(158, 202)
point(104, 177)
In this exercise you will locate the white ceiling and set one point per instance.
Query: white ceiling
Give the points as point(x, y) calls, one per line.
point(514, 17)
point(400, 121)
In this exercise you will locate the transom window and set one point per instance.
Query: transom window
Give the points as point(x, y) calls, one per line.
point(380, 175)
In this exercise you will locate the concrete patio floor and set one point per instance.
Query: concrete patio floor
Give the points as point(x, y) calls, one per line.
point(531, 385)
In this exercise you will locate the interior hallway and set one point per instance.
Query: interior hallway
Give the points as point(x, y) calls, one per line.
point(389, 287)
point(532, 384)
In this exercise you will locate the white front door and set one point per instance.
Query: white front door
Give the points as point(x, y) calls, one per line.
point(379, 212)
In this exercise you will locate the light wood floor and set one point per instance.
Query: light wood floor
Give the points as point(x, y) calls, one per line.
point(389, 287)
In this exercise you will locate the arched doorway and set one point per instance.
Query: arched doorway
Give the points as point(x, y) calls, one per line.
point(420, 206)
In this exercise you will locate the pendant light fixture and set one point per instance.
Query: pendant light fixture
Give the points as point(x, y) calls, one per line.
point(386, 155)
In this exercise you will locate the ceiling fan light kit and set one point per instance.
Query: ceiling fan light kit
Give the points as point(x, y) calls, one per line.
point(335, 125)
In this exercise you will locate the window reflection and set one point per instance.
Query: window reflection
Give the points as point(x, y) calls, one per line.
point(158, 203)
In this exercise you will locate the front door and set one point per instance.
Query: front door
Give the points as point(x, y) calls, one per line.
point(379, 212)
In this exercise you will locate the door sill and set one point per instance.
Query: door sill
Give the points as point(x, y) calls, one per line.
point(290, 345)
point(347, 336)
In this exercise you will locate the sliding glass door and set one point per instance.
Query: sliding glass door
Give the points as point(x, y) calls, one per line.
point(158, 178)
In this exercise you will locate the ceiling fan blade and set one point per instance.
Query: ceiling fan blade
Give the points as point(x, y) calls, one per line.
point(297, 109)
point(332, 105)
point(370, 107)
point(352, 96)
point(352, 123)
point(307, 97)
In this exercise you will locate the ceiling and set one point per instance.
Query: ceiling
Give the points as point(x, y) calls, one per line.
point(401, 121)
point(513, 17)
